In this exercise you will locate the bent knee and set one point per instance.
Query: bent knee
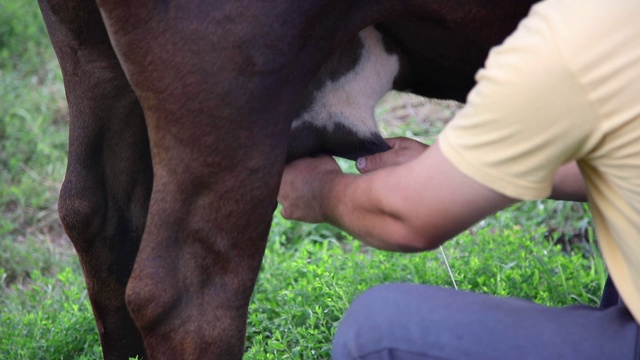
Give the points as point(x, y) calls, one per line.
point(81, 208)
point(151, 296)
point(390, 300)
point(356, 322)
point(378, 318)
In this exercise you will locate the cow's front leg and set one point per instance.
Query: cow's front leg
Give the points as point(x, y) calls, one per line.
point(216, 177)
point(105, 195)
point(208, 222)
point(219, 86)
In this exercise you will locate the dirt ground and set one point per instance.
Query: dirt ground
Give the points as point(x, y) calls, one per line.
point(404, 114)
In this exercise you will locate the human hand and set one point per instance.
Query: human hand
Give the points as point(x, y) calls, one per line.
point(303, 189)
point(402, 151)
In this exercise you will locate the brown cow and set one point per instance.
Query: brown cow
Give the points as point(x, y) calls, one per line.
point(182, 114)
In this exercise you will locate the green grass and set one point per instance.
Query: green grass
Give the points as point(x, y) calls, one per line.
point(310, 272)
point(48, 319)
point(32, 144)
point(308, 281)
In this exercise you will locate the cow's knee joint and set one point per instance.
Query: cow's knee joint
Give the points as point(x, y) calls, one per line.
point(82, 209)
point(151, 299)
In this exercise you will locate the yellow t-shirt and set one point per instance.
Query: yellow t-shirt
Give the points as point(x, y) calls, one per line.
point(564, 86)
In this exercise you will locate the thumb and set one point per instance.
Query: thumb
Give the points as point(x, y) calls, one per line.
point(374, 162)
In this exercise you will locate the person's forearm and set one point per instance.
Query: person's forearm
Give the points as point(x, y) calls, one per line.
point(568, 184)
point(361, 207)
point(410, 207)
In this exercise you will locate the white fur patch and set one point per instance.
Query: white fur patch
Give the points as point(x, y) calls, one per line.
point(351, 99)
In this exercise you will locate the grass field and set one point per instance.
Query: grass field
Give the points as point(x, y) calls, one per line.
point(541, 251)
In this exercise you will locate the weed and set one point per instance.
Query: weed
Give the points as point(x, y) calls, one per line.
point(48, 319)
point(305, 287)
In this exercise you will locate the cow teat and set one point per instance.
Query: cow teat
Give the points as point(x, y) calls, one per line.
point(338, 116)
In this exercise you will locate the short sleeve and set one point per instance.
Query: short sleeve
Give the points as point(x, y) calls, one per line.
point(526, 116)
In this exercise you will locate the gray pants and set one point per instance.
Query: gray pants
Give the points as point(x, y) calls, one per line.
point(411, 322)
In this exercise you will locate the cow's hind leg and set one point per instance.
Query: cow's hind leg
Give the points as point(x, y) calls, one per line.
point(105, 195)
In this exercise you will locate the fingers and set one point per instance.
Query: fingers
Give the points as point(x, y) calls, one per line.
point(406, 143)
point(397, 142)
point(378, 161)
point(302, 188)
point(402, 151)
